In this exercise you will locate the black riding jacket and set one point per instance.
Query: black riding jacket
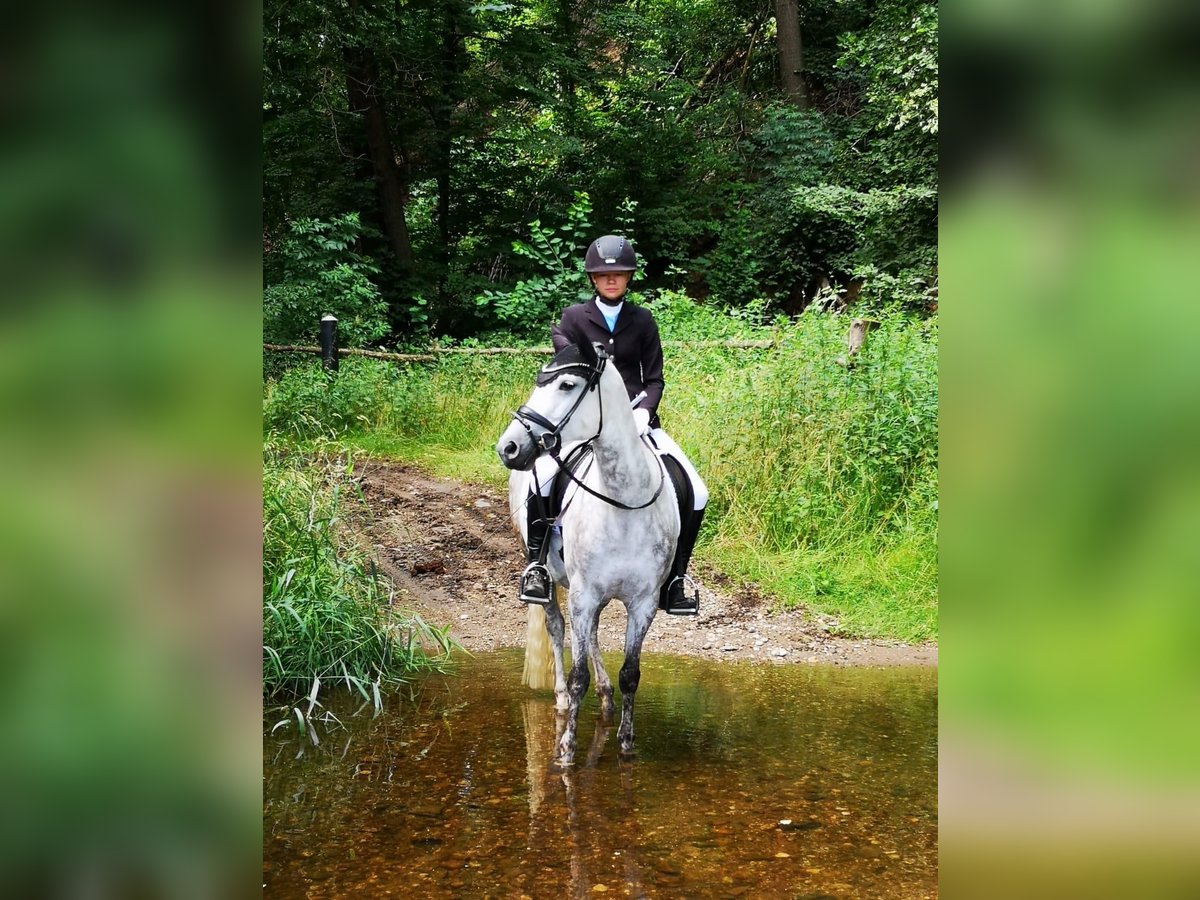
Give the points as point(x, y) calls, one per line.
point(633, 345)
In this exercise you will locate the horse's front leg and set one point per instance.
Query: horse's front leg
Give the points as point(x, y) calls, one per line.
point(557, 627)
point(640, 616)
point(584, 612)
point(604, 688)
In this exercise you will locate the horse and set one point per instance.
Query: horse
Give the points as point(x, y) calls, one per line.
point(619, 524)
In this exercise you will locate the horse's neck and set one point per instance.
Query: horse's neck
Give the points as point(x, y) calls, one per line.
point(624, 462)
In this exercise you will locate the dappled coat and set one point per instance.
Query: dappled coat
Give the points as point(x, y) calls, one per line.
point(633, 344)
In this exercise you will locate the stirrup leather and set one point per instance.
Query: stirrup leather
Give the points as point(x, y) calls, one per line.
point(536, 586)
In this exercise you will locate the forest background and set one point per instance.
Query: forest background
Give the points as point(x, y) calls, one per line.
point(756, 151)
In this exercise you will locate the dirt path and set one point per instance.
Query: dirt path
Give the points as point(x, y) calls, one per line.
point(453, 557)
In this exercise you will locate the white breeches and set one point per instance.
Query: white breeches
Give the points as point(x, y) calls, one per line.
point(545, 468)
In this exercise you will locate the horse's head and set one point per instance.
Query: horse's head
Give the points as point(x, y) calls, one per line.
point(561, 410)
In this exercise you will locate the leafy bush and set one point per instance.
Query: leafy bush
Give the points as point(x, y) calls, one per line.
point(321, 273)
point(898, 57)
point(308, 402)
point(559, 253)
point(865, 226)
point(814, 210)
point(910, 291)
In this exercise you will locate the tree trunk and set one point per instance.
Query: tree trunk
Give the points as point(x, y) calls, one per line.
point(791, 52)
point(449, 95)
point(362, 77)
point(566, 83)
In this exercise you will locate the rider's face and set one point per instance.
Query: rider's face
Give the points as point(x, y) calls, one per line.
point(611, 285)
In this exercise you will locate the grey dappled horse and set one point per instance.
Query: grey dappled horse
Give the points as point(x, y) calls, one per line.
point(619, 523)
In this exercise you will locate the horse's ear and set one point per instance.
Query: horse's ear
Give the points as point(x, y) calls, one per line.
point(588, 352)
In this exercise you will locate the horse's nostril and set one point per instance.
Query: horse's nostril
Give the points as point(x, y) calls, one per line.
point(510, 449)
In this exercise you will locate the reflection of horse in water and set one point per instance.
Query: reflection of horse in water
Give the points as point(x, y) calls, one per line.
point(593, 809)
point(619, 525)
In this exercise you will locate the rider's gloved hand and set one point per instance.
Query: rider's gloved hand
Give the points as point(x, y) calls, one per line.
point(642, 418)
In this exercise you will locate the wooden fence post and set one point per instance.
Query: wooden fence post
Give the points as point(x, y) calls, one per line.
point(329, 347)
point(855, 339)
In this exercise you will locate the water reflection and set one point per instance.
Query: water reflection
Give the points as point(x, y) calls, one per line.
point(456, 794)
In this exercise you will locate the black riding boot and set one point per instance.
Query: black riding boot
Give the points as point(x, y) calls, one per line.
point(535, 580)
point(674, 598)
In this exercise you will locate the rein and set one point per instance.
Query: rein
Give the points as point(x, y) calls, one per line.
point(586, 447)
point(551, 440)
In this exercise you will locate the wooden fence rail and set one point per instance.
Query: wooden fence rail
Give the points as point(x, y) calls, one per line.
point(330, 352)
point(494, 351)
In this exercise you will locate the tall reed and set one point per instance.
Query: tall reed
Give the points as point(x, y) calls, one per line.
point(326, 614)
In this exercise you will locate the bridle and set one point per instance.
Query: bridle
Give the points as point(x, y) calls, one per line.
point(550, 441)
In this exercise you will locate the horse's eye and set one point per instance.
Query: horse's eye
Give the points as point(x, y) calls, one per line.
point(566, 385)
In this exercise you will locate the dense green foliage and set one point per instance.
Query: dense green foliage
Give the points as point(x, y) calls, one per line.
point(463, 136)
point(823, 479)
point(325, 613)
point(322, 272)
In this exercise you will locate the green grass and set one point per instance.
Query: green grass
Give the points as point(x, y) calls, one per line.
point(326, 615)
point(823, 480)
point(888, 594)
point(475, 464)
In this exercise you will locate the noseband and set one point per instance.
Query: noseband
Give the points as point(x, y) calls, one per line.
point(550, 441)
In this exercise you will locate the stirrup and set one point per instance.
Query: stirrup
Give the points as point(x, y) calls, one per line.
point(536, 585)
point(683, 605)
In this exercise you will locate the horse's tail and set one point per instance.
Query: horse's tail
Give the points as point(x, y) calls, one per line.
point(539, 655)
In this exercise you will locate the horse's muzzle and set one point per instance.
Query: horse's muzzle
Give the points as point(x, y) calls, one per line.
point(516, 450)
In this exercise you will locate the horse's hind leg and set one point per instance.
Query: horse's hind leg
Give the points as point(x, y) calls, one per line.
point(556, 626)
point(636, 626)
point(604, 688)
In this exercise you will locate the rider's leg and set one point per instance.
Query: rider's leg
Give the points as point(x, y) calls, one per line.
point(674, 597)
point(535, 580)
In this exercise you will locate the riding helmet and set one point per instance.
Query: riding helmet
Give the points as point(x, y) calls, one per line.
point(611, 253)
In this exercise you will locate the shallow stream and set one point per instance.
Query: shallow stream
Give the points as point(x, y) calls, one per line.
point(748, 781)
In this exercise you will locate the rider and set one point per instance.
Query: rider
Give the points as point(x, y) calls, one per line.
point(630, 335)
